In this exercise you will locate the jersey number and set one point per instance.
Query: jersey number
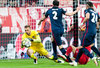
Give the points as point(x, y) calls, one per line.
point(55, 15)
point(94, 19)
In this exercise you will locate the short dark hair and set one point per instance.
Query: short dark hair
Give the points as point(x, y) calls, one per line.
point(27, 26)
point(90, 4)
point(56, 3)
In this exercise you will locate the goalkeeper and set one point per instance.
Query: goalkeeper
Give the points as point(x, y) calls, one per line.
point(35, 45)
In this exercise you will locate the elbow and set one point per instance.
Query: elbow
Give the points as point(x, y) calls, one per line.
point(39, 41)
point(87, 18)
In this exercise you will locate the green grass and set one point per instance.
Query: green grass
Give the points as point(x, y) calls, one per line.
point(42, 63)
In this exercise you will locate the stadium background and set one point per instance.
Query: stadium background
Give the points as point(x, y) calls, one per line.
point(15, 14)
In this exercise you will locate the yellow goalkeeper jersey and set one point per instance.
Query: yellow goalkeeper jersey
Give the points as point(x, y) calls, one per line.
point(35, 36)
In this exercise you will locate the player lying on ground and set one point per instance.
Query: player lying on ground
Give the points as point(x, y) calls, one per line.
point(31, 39)
point(83, 59)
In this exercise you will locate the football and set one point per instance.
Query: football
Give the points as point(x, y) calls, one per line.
point(26, 42)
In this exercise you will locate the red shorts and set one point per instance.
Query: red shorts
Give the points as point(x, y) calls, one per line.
point(84, 58)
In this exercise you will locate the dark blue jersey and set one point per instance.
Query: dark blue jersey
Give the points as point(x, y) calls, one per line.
point(91, 23)
point(55, 15)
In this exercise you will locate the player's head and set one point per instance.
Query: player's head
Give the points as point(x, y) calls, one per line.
point(55, 3)
point(89, 5)
point(27, 29)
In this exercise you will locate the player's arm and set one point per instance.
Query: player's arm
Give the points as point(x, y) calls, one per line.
point(72, 13)
point(85, 19)
point(42, 19)
point(37, 38)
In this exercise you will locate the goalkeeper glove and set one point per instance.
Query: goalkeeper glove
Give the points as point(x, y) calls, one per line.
point(31, 39)
point(22, 44)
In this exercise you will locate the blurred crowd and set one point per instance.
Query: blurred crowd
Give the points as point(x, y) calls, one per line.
point(27, 3)
point(20, 3)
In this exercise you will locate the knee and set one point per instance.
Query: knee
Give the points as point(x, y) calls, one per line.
point(29, 52)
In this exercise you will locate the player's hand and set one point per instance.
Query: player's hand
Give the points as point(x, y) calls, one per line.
point(38, 26)
point(31, 39)
point(77, 9)
point(39, 23)
point(22, 44)
point(79, 28)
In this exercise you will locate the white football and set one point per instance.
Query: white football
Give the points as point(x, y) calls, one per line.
point(26, 42)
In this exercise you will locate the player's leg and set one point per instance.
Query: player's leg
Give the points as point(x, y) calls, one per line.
point(54, 45)
point(87, 41)
point(31, 53)
point(84, 58)
point(66, 56)
point(90, 40)
point(79, 53)
point(44, 52)
point(68, 51)
point(57, 41)
point(86, 52)
point(95, 50)
point(57, 38)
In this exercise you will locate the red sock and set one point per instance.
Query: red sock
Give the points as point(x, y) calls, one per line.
point(68, 51)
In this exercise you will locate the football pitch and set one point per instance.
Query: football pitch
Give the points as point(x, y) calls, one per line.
point(42, 63)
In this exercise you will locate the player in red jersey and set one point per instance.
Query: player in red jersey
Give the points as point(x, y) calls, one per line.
point(83, 59)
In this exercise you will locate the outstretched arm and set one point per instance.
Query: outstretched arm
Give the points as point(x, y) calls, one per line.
point(70, 14)
point(42, 19)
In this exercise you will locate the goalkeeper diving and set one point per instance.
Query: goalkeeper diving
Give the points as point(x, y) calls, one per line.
point(32, 41)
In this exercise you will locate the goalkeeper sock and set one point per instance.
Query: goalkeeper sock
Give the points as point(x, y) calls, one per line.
point(32, 56)
point(52, 57)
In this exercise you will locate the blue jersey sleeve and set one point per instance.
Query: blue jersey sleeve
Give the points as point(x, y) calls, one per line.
point(63, 11)
point(46, 14)
point(86, 11)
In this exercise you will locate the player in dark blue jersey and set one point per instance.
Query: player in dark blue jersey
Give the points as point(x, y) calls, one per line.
point(55, 14)
point(88, 38)
point(97, 27)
